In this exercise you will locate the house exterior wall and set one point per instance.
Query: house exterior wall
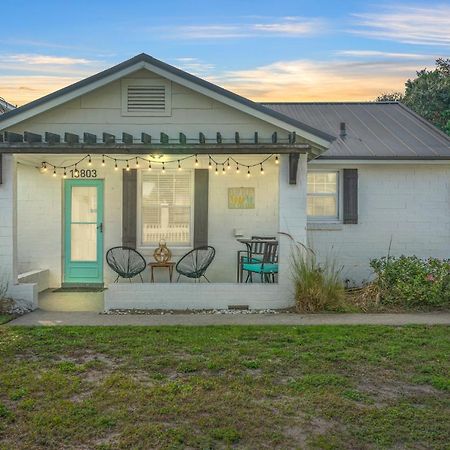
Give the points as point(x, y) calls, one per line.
point(405, 204)
point(40, 216)
point(101, 111)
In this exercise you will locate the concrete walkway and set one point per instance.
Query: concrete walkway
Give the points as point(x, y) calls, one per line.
point(49, 318)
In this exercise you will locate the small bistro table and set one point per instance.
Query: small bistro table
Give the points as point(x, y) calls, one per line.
point(168, 265)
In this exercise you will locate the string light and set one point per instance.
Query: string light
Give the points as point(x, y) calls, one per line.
point(209, 163)
point(196, 161)
point(103, 160)
point(228, 164)
point(76, 172)
point(149, 165)
point(65, 173)
point(163, 170)
point(237, 168)
point(54, 171)
point(217, 170)
point(179, 165)
point(44, 167)
point(89, 160)
point(262, 169)
point(137, 162)
point(115, 165)
point(223, 170)
point(276, 160)
point(128, 166)
point(248, 172)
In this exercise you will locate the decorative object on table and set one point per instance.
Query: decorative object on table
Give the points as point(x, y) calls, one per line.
point(162, 254)
point(241, 198)
point(195, 263)
point(126, 262)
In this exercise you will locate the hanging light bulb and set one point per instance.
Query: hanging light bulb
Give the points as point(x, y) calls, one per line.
point(179, 165)
point(223, 170)
point(196, 161)
point(76, 172)
point(44, 167)
point(115, 165)
point(217, 170)
point(149, 165)
point(248, 172)
point(103, 160)
point(276, 160)
point(262, 169)
point(209, 163)
point(65, 173)
point(137, 162)
point(128, 166)
point(89, 160)
point(228, 164)
point(163, 170)
point(237, 168)
point(54, 171)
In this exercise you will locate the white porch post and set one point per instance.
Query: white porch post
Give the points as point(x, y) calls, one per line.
point(8, 234)
point(292, 220)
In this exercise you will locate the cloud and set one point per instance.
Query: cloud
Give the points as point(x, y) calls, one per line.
point(36, 59)
point(283, 27)
point(194, 66)
point(406, 24)
point(376, 53)
point(307, 80)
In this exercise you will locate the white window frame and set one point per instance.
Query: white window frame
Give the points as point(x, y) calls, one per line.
point(126, 82)
point(328, 219)
point(178, 249)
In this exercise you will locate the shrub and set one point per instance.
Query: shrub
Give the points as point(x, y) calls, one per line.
point(411, 282)
point(318, 287)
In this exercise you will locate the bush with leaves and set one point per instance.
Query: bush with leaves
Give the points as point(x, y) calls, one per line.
point(411, 282)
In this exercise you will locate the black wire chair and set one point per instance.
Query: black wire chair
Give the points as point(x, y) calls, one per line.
point(195, 263)
point(126, 262)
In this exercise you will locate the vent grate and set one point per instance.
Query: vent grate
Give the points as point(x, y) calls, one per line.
point(145, 98)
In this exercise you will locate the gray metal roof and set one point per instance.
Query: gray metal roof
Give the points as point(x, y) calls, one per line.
point(5, 106)
point(376, 130)
point(143, 57)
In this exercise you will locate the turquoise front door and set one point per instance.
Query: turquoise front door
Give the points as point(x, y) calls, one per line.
point(83, 232)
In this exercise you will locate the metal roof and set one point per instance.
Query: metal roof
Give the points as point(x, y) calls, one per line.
point(5, 106)
point(376, 130)
point(143, 57)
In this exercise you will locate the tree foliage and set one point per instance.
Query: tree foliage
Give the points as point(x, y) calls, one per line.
point(428, 94)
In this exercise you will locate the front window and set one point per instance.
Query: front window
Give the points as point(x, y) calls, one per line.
point(323, 190)
point(166, 208)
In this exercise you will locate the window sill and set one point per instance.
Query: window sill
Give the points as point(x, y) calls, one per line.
point(324, 226)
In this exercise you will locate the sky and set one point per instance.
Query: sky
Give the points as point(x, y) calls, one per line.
point(266, 50)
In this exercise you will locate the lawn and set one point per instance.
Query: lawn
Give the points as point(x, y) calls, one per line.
point(5, 318)
point(225, 387)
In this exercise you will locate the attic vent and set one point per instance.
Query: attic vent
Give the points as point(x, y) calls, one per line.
point(146, 97)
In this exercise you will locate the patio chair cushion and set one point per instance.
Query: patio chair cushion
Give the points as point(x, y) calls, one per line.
point(261, 268)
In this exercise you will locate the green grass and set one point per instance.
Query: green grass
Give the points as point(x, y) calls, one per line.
point(225, 387)
point(5, 318)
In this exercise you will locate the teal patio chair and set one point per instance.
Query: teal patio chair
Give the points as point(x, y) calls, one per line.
point(267, 268)
point(253, 254)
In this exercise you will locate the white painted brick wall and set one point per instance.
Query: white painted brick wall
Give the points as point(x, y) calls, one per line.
point(408, 203)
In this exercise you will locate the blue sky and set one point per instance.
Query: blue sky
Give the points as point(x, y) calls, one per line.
point(266, 50)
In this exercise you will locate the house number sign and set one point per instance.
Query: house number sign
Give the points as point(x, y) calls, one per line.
point(83, 173)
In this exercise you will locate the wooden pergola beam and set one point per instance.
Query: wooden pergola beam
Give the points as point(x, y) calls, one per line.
point(141, 149)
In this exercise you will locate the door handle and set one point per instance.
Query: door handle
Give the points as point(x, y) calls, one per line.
point(100, 227)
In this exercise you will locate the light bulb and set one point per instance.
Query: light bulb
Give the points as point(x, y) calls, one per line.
point(209, 163)
point(228, 165)
point(54, 172)
point(103, 161)
point(89, 161)
point(137, 162)
point(163, 170)
point(128, 166)
point(149, 165)
point(248, 173)
point(44, 167)
point(262, 170)
point(196, 161)
point(115, 165)
point(237, 169)
point(276, 160)
point(223, 170)
point(179, 165)
point(217, 170)
point(65, 173)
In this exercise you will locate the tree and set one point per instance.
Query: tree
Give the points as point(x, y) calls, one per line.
point(390, 97)
point(429, 94)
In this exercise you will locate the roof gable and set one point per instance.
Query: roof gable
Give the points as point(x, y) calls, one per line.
point(144, 61)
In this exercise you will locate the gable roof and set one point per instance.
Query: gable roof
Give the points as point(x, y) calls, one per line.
point(141, 61)
point(374, 130)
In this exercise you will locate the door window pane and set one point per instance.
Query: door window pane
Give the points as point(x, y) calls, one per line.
point(84, 204)
point(83, 245)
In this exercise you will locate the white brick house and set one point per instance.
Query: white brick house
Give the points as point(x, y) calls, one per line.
point(345, 179)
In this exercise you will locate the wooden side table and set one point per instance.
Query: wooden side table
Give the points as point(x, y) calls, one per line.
point(169, 265)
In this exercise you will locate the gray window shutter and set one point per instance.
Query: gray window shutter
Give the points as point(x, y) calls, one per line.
point(129, 208)
point(350, 196)
point(201, 187)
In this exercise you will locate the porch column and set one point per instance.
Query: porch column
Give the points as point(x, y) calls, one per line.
point(292, 220)
point(8, 235)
